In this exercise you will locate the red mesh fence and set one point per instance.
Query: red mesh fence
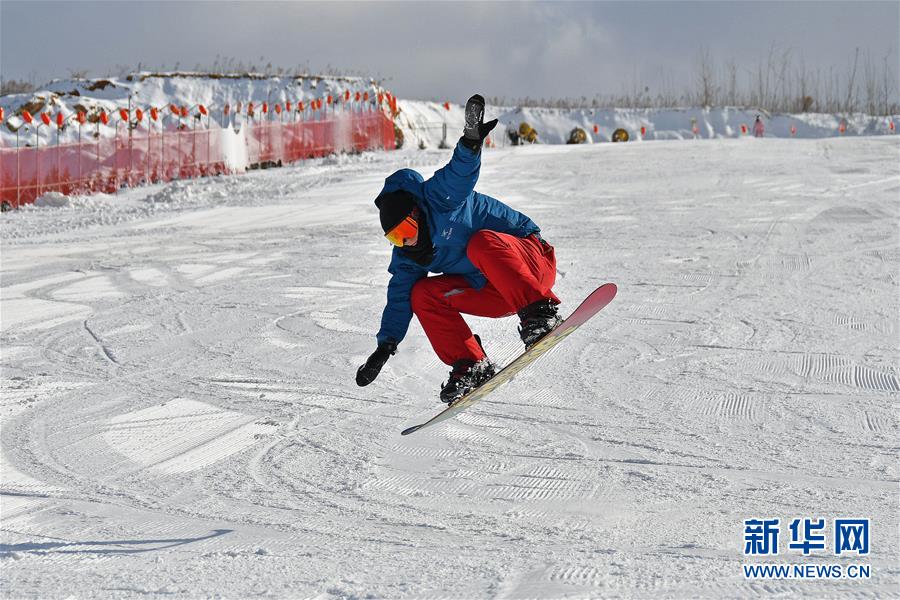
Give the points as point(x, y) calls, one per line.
point(138, 157)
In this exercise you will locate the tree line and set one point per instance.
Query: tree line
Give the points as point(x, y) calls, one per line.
point(779, 82)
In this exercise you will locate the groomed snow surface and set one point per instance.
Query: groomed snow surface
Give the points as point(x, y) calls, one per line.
point(180, 417)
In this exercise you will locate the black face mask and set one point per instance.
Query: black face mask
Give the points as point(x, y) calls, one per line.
point(423, 252)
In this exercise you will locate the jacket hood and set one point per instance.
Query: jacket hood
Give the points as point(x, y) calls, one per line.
point(406, 180)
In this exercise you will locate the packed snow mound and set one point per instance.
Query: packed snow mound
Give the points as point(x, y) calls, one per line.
point(182, 192)
point(144, 90)
point(423, 123)
point(57, 200)
point(52, 199)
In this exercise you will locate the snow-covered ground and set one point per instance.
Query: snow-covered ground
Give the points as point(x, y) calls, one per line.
point(423, 123)
point(180, 417)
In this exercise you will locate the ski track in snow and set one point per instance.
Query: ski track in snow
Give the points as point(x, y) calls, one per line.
point(180, 416)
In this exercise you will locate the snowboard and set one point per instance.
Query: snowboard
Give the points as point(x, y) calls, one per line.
point(591, 305)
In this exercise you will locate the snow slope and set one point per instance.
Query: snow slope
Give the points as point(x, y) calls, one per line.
point(180, 417)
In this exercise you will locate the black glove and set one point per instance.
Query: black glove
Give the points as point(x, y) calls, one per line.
point(367, 373)
point(475, 129)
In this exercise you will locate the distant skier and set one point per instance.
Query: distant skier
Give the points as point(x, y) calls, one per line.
point(493, 259)
point(759, 130)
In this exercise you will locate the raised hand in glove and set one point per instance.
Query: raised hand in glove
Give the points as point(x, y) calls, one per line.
point(367, 373)
point(476, 129)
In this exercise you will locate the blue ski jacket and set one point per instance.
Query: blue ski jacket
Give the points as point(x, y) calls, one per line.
point(454, 211)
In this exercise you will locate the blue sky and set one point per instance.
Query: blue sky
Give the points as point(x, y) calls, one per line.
point(446, 50)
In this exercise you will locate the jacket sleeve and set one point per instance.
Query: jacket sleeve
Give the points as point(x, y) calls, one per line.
point(398, 310)
point(451, 185)
point(493, 214)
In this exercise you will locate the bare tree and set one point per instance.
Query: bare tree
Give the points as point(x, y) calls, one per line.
point(705, 78)
point(850, 103)
point(782, 80)
point(803, 100)
point(12, 86)
point(870, 84)
point(888, 87)
point(731, 82)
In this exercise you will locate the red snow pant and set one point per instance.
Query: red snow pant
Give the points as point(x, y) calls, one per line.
point(519, 271)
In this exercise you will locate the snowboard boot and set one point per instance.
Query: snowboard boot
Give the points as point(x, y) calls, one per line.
point(537, 320)
point(465, 377)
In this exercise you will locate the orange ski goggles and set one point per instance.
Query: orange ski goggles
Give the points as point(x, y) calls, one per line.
point(404, 230)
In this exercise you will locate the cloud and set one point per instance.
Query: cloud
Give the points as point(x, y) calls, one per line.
point(443, 50)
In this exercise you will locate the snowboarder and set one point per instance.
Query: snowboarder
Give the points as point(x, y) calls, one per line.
point(759, 130)
point(493, 261)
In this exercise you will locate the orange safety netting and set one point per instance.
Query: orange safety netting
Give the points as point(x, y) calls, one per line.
point(140, 156)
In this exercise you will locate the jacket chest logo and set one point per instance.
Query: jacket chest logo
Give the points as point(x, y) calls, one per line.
point(447, 233)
